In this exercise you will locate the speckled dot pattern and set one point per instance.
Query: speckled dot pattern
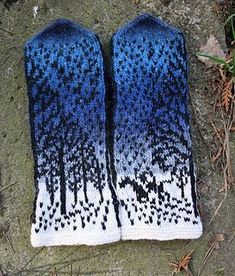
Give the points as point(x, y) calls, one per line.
point(154, 174)
point(75, 202)
point(96, 185)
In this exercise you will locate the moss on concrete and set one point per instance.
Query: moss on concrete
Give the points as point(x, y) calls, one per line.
point(198, 21)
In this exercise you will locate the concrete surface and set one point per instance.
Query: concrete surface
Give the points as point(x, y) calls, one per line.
point(21, 20)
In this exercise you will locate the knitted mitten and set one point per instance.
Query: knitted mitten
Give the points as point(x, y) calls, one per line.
point(152, 145)
point(75, 202)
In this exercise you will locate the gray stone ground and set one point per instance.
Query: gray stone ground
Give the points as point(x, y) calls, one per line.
point(17, 257)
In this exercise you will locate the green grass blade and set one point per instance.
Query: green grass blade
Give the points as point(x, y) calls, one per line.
point(215, 59)
point(233, 63)
point(233, 30)
point(230, 19)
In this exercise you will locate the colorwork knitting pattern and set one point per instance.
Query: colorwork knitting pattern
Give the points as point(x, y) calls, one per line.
point(75, 202)
point(124, 174)
point(154, 175)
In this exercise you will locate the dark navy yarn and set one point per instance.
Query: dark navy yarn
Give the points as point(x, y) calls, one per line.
point(152, 144)
point(64, 71)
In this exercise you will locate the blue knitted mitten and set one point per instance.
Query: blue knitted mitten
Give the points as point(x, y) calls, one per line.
point(154, 172)
point(75, 202)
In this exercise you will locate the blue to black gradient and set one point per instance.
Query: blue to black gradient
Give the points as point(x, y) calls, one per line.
point(152, 143)
point(64, 71)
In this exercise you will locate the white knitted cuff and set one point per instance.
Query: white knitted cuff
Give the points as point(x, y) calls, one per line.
point(74, 238)
point(160, 233)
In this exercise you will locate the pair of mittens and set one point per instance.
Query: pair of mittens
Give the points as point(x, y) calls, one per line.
point(142, 184)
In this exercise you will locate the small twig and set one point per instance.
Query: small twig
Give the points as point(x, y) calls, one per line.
point(201, 180)
point(214, 158)
point(30, 261)
point(206, 257)
point(44, 268)
point(48, 266)
point(9, 240)
point(228, 174)
point(232, 239)
point(227, 168)
point(179, 246)
point(6, 30)
point(217, 210)
point(7, 186)
point(221, 129)
point(217, 133)
point(7, 56)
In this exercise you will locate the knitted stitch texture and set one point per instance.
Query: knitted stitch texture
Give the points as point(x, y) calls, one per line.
point(75, 202)
point(154, 171)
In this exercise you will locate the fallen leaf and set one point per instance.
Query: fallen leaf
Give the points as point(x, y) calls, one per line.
point(220, 237)
point(224, 83)
point(227, 94)
point(53, 273)
point(213, 48)
point(182, 264)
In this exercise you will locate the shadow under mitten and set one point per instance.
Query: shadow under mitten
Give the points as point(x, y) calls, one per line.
point(75, 202)
point(152, 145)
